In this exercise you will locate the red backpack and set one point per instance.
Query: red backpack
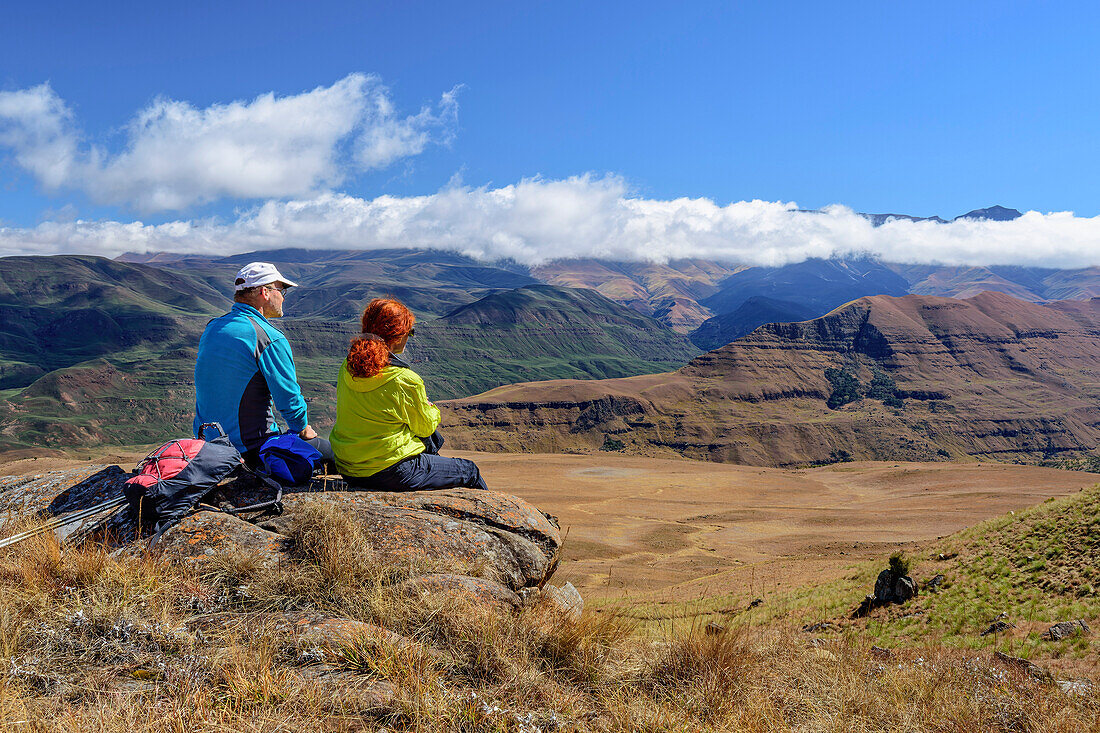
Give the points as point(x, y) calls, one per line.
point(171, 480)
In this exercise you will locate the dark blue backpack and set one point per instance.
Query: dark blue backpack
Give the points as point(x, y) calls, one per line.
point(288, 459)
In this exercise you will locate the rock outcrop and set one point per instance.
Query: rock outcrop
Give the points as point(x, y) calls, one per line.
point(991, 376)
point(479, 543)
point(1067, 629)
point(892, 586)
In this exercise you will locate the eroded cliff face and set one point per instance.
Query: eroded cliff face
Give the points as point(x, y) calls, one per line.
point(991, 376)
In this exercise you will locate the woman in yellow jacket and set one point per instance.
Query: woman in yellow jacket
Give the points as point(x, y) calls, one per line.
point(385, 437)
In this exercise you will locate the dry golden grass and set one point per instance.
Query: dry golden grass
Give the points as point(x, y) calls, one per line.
point(93, 642)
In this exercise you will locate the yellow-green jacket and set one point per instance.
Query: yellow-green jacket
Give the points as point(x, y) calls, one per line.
point(380, 419)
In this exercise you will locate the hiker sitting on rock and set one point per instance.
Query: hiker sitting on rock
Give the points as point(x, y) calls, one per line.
point(245, 363)
point(385, 437)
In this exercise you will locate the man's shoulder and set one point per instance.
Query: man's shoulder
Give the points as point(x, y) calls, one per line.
point(246, 320)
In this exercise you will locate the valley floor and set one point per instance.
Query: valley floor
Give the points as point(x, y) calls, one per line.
point(680, 530)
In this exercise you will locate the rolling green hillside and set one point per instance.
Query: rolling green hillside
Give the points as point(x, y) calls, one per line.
point(58, 312)
point(101, 351)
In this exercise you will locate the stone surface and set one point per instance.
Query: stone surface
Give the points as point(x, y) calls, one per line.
point(1023, 665)
point(476, 589)
point(997, 627)
point(890, 587)
point(934, 584)
point(893, 587)
point(203, 535)
point(486, 534)
point(56, 494)
point(315, 634)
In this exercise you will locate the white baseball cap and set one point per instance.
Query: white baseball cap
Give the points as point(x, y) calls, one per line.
point(260, 273)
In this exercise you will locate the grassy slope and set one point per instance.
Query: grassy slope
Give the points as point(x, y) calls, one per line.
point(1040, 566)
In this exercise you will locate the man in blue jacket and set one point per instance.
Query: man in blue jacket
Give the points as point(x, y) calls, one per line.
point(245, 364)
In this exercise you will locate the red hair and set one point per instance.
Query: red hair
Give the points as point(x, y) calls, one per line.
point(385, 322)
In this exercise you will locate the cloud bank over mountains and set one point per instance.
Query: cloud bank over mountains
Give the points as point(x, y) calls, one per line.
point(176, 155)
point(537, 220)
point(290, 154)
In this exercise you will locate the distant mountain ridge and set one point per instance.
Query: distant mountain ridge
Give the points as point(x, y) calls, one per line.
point(995, 213)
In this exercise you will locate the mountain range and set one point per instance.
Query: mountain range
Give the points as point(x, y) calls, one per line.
point(95, 350)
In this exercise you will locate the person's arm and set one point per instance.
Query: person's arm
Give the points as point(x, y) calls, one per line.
point(277, 365)
point(421, 415)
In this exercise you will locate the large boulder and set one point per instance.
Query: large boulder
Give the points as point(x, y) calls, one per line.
point(1067, 629)
point(483, 533)
point(495, 538)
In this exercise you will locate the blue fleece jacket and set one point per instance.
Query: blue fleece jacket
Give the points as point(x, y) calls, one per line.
point(244, 365)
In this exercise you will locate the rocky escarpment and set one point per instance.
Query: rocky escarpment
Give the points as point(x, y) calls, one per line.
point(493, 546)
point(928, 378)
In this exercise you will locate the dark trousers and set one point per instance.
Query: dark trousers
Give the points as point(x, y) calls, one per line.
point(423, 472)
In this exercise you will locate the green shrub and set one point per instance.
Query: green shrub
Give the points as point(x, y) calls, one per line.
point(612, 444)
point(846, 387)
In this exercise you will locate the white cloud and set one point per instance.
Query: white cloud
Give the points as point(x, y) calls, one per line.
point(536, 220)
point(176, 155)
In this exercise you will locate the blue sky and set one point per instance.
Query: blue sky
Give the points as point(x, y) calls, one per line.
point(918, 108)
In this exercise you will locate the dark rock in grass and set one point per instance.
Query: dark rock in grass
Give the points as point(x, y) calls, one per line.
point(714, 629)
point(756, 602)
point(1066, 629)
point(819, 626)
point(934, 584)
point(998, 626)
point(891, 586)
point(879, 652)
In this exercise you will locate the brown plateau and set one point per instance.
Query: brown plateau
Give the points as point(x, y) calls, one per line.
point(990, 377)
